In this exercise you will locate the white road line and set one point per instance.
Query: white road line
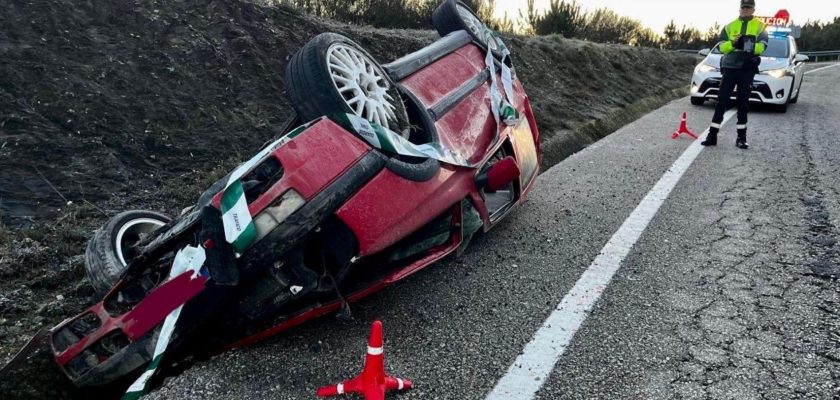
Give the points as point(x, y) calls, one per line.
point(820, 69)
point(531, 368)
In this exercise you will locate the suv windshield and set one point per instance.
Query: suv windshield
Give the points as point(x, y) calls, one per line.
point(776, 47)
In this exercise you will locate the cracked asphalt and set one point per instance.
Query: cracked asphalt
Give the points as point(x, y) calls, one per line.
point(731, 292)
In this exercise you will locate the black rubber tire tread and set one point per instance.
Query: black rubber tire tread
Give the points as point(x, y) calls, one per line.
point(101, 262)
point(698, 101)
point(417, 172)
point(310, 88)
point(446, 20)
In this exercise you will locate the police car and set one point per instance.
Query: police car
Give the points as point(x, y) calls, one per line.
point(777, 83)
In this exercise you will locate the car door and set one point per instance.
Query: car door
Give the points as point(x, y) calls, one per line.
point(798, 66)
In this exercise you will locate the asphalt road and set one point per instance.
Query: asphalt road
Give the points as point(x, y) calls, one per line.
point(727, 294)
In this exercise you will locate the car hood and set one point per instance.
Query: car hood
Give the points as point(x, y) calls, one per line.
point(767, 63)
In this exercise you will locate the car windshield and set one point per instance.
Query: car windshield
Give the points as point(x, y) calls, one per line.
point(776, 47)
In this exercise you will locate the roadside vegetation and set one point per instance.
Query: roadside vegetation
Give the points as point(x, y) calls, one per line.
point(605, 26)
point(818, 36)
point(562, 17)
point(398, 14)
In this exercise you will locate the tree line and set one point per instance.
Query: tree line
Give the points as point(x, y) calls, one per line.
point(602, 25)
point(399, 14)
point(818, 36)
point(562, 17)
point(605, 26)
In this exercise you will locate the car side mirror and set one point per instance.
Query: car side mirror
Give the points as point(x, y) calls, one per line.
point(704, 52)
point(801, 58)
point(499, 175)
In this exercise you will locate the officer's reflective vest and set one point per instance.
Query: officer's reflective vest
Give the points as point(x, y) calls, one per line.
point(735, 28)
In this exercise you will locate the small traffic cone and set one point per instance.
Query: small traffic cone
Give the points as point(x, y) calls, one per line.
point(683, 129)
point(373, 382)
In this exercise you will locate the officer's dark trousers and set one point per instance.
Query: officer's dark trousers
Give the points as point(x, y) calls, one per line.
point(742, 78)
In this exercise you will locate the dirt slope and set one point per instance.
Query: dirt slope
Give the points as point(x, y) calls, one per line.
point(107, 105)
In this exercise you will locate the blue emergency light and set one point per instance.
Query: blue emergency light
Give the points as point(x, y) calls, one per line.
point(776, 31)
point(782, 32)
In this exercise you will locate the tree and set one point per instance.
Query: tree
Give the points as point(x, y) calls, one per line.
point(504, 24)
point(690, 38)
point(670, 36)
point(818, 36)
point(605, 26)
point(645, 37)
point(561, 17)
point(712, 36)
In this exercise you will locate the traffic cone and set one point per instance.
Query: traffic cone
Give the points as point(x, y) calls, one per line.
point(373, 382)
point(683, 129)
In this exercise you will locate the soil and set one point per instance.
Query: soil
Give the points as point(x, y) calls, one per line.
point(107, 106)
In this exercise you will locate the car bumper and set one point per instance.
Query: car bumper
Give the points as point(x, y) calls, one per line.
point(764, 88)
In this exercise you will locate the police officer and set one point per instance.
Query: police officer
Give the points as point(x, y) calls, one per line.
point(742, 43)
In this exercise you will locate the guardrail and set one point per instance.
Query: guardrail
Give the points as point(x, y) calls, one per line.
point(816, 55)
point(687, 51)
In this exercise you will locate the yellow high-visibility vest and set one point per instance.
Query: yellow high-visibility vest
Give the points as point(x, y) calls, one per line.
point(734, 29)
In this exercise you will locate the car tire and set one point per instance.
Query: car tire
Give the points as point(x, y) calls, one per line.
point(108, 251)
point(454, 15)
point(697, 101)
point(325, 77)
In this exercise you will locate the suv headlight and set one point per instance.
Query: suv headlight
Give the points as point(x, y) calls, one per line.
point(778, 73)
point(702, 68)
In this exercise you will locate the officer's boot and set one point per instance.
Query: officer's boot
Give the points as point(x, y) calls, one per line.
point(741, 141)
point(711, 138)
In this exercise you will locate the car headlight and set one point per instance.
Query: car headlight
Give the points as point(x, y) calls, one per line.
point(704, 68)
point(777, 73)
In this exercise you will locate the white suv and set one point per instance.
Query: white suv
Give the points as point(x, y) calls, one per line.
point(778, 81)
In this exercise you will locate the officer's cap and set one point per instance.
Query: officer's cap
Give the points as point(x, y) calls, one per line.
point(748, 3)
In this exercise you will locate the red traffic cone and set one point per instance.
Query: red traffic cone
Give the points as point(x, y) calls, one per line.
point(683, 129)
point(373, 382)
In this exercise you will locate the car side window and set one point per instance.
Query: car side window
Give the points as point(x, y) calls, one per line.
point(793, 49)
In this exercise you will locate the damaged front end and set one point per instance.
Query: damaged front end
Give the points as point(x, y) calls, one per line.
point(290, 190)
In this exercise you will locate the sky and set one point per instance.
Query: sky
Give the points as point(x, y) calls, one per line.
point(700, 14)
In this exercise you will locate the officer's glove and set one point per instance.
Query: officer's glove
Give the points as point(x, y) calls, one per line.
point(749, 44)
point(739, 43)
point(753, 63)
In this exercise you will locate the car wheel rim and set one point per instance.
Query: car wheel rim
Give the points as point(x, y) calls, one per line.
point(130, 233)
point(362, 84)
point(476, 27)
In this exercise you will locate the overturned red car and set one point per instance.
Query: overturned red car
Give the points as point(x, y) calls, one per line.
point(393, 167)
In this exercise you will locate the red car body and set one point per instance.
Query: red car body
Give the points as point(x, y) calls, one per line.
point(445, 88)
